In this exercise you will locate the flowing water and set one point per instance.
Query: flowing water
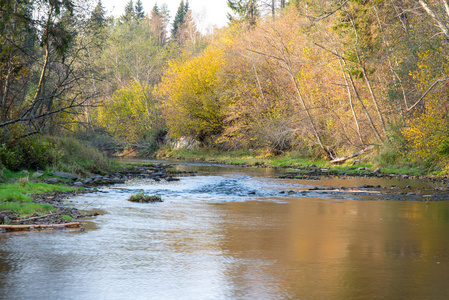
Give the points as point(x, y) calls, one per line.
point(240, 233)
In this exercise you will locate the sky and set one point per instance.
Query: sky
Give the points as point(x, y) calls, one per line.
point(207, 13)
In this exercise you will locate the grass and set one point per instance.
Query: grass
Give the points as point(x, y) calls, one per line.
point(67, 218)
point(389, 161)
point(55, 154)
point(73, 156)
point(142, 197)
point(244, 157)
point(16, 197)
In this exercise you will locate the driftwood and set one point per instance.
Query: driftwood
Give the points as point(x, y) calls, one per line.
point(340, 160)
point(39, 217)
point(25, 227)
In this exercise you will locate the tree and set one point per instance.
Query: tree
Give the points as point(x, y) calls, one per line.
point(97, 17)
point(179, 18)
point(158, 24)
point(246, 10)
point(131, 113)
point(56, 73)
point(138, 10)
point(188, 91)
point(129, 13)
point(16, 47)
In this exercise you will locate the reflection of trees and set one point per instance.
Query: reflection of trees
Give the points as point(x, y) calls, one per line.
point(323, 249)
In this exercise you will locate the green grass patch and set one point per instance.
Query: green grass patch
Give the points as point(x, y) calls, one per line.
point(26, 208)
point(67, 218)
point(245, 157)
point(32, 188)
point(16, 197)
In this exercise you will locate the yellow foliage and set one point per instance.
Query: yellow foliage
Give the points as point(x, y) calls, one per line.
point(130, 113)
point(190, 105)
point(427, 133)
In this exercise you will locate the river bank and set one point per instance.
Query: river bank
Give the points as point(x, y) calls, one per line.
point(42, 200)
point(366, 165)
point(49, 189)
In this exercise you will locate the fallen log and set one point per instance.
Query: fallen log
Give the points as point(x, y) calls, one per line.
point(38, 217)
point(340, 160)
point(25, 227)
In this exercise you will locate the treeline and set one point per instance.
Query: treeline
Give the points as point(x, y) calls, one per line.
point(322, 78)
point(325, 78)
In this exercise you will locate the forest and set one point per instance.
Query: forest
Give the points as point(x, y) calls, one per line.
point(322, 79)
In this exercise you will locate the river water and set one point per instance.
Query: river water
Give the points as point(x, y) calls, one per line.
point(239, 233)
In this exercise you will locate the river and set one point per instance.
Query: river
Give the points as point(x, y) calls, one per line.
point(239, 233)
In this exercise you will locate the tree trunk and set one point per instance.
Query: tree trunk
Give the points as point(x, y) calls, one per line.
point(350, 100)
point(25, 227)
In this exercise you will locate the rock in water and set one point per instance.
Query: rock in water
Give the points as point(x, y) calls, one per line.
point(172, 179)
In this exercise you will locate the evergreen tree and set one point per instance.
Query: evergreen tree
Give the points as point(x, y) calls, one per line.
point(129, 12)
point(139, 13)
point(158, 24)
point(245, 9)
point(98, 16)
point(183, 8)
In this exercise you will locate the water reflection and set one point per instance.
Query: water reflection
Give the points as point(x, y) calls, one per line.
point(201, 244)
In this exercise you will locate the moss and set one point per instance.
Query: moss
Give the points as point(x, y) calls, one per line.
point(142, 197)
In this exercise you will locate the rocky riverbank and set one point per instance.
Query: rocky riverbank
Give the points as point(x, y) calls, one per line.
point(313, 172)
point(63, 213)
point(156, 172)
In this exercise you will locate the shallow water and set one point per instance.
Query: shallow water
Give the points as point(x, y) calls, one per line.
point(239, 233)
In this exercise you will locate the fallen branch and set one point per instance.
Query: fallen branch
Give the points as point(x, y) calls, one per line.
point(25, 227)
point(340, 160)
point(39, 217)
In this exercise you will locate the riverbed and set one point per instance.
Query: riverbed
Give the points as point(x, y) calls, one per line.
point(240, 233)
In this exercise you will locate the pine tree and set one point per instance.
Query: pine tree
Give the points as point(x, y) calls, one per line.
point(129, 12)
point(138, 10)
point(98, 16)
point(180, 17)
point(245, 9)
point(158, 24)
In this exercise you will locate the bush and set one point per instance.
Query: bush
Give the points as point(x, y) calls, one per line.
point(25, 153)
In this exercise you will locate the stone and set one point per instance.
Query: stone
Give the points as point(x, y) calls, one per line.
point(2, 181)
point(78, 184)
point(65, 175)
point(187, 143)
point(87, 181)
point(117, 180)
point(98, 179)
point(376, 171)
point(361, 169)
point(37, 174)
point(172, 179)
point(52, 180)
